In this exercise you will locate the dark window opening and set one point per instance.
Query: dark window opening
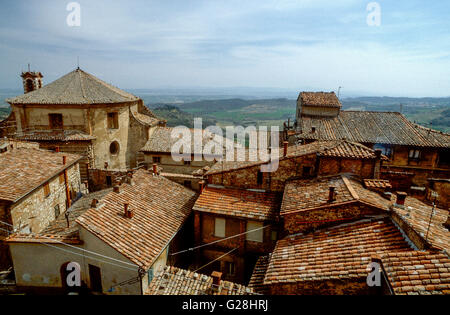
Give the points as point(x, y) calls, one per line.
point(187, 184)
point(444, 159)
point(414, 155)
point(187, 162)
point(113, 121)
point(108, 181)
point(55, 121)
point(30, 85)
point(259, 178)
point(95, 277)
point(114, 147)
point(156, 159)
point(306, 171)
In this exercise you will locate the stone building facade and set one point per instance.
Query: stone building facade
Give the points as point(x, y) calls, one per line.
point(79, 113)
point(409, 147)
point(36, 187)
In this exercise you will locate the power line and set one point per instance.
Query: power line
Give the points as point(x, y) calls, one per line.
point(81, 249)
point(217, 259)
point(218, 241)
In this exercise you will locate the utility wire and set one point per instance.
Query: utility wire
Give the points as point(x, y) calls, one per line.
point(218, 241)
point(81, 249)
point(217, 259)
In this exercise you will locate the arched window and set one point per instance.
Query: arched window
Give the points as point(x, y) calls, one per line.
point(114, 148)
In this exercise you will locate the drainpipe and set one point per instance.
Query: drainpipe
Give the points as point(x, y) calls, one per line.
point(66, 182)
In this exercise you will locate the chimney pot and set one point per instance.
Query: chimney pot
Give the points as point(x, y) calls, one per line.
point(94, 203)
point(331, 194)
point(64, 159)
point(285, 148)
point(217, 277)
point(401, 197)
point(155, 169)
point(127, 212)
point(57, 149)
point(116, 189)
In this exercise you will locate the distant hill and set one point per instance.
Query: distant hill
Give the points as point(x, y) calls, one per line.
point(4, 112)
point(176, 117)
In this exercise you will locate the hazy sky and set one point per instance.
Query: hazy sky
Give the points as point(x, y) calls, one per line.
point(294, 44)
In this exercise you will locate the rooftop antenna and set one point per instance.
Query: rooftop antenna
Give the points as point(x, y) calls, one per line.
point(29, 67)
point(339, 91)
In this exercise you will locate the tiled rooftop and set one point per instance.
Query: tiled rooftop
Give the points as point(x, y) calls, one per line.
point(303, 195)
point(59, 226)
point(25, 169)
point(239, 203)
point(322, 99)
point(259, 272)
point(418, 273)
point(371, 127)
point(175, 281)
point(342, 149)
point(63, 135)
point(417, 214)
point(76, 87)
point(340, 252)
point(160, 208)
point(161, 140)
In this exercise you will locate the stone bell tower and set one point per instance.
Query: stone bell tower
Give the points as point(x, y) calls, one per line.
point(31, 80)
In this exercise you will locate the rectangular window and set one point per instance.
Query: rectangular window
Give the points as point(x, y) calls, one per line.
point(157, 159)
point(187, 162)
point(231, 268)
point(259, 178)
point(187, 184)
point(55, 121)
point(46, 190)
point(108, 181)
point(113, 121)
point(219, 227)
point(255, 236)
point(414, 154)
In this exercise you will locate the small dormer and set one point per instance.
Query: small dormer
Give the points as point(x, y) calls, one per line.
point(31, 80)
point(318, 104)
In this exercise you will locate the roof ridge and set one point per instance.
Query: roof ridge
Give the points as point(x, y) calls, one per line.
point(350, 187)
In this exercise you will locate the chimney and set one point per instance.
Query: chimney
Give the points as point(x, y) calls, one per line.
point(130, 178)
point(155, 169)
point(331, 194)
point(217, 277)
point(127, 212)
point(57, 149)
point(64, 159)
point(285, 148)
point(401, 197)
point(116, 189)
point(94, 203)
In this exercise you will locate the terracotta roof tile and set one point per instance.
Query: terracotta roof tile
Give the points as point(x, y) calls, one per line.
point(418, 272)
point(342, 149)
point(25, 169)
point(341, 252)
point(175, 281)
point(239, 202)
point(417, 214)
point(76, 87)
point(322, 99)
point(303, 195)
point(259, 272)
point(371, 127)
point(377, 183)
point(160, 208)
point(63, 135)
